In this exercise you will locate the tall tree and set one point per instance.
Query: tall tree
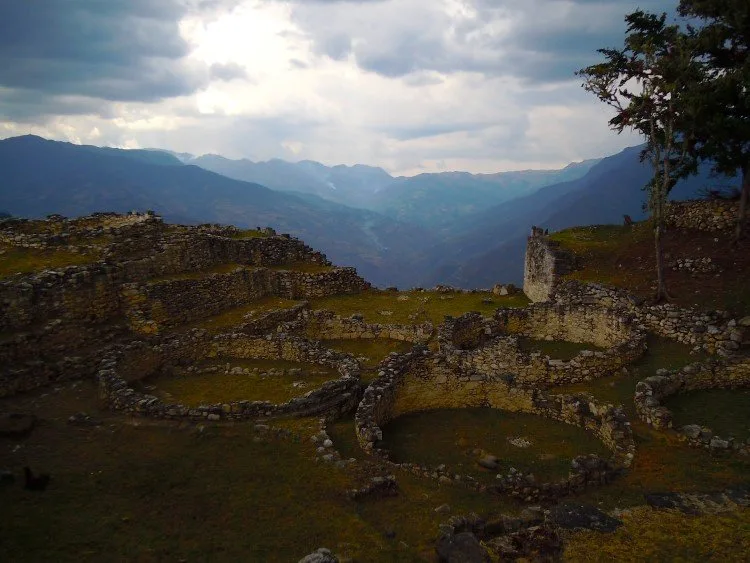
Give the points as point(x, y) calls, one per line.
point(642, 82)
point(720, 104)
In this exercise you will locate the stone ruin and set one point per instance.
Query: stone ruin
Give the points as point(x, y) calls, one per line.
point(137, 360)
point(419, 381)
point(489, 347)
point(58, 321)
point(153, 278)
point(651, 392)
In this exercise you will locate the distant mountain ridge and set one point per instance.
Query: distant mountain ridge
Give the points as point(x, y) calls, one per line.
point(490, 245)
point(40, 177)
point(463, 229)
point(432, 200)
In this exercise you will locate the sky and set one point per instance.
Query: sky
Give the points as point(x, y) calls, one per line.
point(412, 86)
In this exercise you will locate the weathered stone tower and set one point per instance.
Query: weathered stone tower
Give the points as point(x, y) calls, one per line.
point(544, 264)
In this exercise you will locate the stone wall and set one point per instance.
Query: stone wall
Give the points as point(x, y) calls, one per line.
point(272, 321)
point(57, 230)
point(139, 359)
point(153, 305)
point(713, 332)
point(701, 215)
point(651, 392)
point(419, 381)
point(544, 264)
point(55, 322)
point(479, 347)
point(327, 325)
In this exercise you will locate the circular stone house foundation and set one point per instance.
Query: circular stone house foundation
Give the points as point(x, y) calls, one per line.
point(489, 346)
point(420, 380)
point(651, 392)
point(139, 359)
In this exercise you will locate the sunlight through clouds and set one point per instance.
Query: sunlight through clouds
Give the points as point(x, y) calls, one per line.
point(409, 85)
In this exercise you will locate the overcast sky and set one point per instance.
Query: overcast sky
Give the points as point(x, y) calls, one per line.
point(410, 85)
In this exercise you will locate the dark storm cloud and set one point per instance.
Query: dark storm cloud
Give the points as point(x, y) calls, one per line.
point(115, 50)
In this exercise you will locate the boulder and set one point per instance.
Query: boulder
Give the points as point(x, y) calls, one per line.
point(489, 462)
point(461, 548)
point(572, 516)
point(320, 555)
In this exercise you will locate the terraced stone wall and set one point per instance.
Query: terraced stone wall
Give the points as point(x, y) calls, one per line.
point(140, 359)
point(53, 323)
point(700, 215)
point(149, 306)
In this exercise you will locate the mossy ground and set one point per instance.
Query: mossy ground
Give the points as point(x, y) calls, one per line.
point(411, 307)
point(460, 437)
point(146, 491)
point(239, 315)
point(139, 490)
point(725, 411)
point(624, 257)
point(219, 387)
point(662, 463)
point(373, 350)
point(661, 536)
point(555, 349)
point(20, 260)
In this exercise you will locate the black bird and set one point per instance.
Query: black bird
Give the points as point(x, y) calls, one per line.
point(34, 482)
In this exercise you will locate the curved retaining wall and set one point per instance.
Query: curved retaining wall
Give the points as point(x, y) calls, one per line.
point(713, 332)
point(417, 381)
point(140, 359)
point(479, 346)
point(651, 392)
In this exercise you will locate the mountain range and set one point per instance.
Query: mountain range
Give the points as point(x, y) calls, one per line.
point(454, 227)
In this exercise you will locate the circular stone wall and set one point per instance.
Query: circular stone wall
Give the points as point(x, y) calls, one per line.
point(420, 381)
point(651, 392)
point(139, 360)
point(489, 346)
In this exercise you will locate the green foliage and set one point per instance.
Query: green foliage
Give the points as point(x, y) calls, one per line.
point(719, 105)
point(642, 82)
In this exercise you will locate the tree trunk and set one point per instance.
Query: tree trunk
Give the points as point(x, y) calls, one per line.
point(660, 201)
point(661, 285)
point(744, 196)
